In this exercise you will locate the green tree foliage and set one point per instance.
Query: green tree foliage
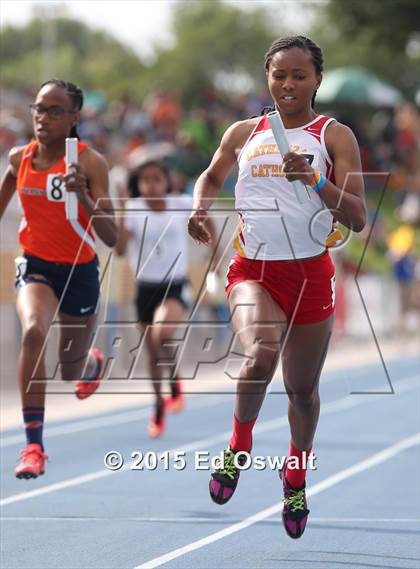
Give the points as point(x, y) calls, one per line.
point(88, 57)
point(212, 37)
point(373, 34)
point(209, 37)
point(386, 22)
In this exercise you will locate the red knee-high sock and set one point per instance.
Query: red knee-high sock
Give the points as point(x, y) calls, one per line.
point(242, 435)
point(296, 476)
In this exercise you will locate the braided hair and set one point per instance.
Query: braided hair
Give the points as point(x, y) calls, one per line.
point(75, 94)
point(301, 42)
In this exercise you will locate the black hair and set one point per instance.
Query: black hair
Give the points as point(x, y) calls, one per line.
point(301, 42)
point(133, 179)
point(75, 94)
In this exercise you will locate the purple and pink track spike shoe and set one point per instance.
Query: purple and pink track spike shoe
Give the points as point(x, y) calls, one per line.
point(224, 480)
point(295, 511)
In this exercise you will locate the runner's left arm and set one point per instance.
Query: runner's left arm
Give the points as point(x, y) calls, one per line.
point(92, 176)
point(346, 197)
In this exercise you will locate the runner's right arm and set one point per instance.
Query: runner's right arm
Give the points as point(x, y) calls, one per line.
point(209, 183)
point(8, 183)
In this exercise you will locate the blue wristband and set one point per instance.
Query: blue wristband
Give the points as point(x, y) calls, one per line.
point(320, 184)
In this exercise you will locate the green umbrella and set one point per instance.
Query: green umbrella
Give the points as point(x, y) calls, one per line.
point(357, 86)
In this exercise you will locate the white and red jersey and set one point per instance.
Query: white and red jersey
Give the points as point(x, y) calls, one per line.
point(273, 224)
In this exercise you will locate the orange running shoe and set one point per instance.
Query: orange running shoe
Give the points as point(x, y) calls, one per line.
point(84, 389)
point(175, 402)
point(157, 424)
point(156, 429)
point(32, 462)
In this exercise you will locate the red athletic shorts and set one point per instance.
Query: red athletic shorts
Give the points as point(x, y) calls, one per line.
point(304, 289)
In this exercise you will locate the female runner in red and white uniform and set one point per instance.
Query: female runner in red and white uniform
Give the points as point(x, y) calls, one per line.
point(280, 284)
point(57, 274)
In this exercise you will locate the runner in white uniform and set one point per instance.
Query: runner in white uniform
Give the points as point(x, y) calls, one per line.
point(280, 283)
point(158, 250)
point(153, 233)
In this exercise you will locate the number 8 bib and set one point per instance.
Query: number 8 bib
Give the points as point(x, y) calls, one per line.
point(55, 188)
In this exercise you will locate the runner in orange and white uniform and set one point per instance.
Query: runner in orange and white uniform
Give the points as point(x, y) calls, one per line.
point(57, 275)
point(44, 230)
point(280, 284)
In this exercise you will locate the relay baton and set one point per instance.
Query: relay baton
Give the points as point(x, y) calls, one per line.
point(280, 137)
point(71, 158)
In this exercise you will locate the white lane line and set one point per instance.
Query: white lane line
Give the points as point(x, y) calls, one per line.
point(330, 481)
point(203, 520)
point(57, 486)
point(84, 425)
point(77, 426)
point(103, 421)
point(331, 407)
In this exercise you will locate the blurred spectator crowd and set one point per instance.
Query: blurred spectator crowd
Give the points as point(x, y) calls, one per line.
point(129, 134)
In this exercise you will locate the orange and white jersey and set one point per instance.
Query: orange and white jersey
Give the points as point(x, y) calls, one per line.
point(273, 224)
point(44, 230)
